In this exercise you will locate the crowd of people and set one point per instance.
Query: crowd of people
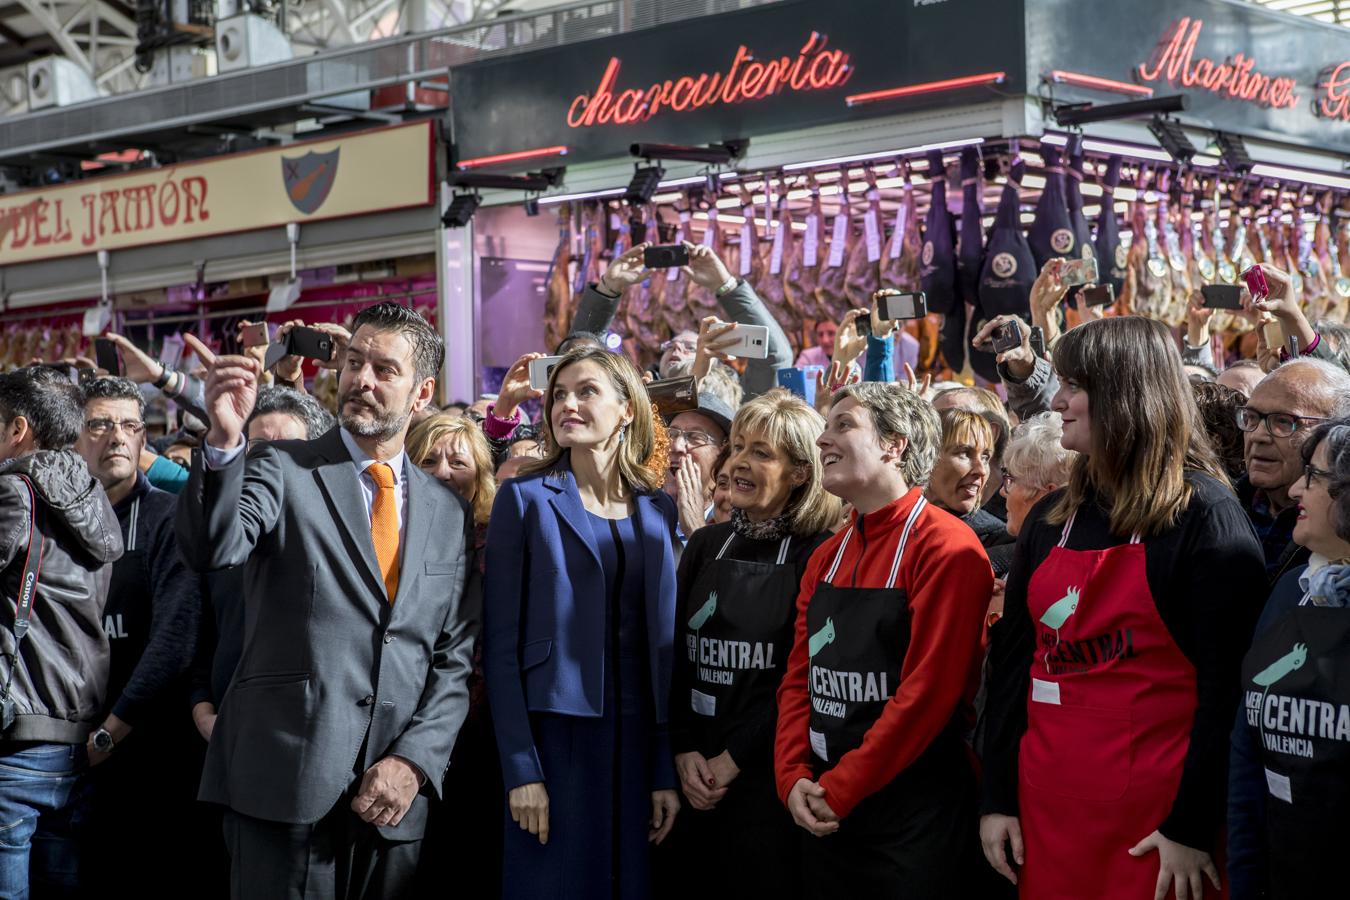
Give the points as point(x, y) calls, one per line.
point(1081, 633)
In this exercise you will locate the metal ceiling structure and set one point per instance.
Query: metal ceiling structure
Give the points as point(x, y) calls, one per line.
point(1337, 12)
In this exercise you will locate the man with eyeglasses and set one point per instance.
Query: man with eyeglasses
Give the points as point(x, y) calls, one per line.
point(1284, 407)
point(696, 438)
point(151, 618)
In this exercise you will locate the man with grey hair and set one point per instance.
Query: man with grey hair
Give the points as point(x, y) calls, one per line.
point(1283, 407)
point(283, 413)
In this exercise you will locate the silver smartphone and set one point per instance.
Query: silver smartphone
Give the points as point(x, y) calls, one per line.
point(540, 369)
point(895, 305)
point(746, 342)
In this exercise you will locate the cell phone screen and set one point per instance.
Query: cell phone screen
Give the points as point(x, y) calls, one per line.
point(665, 256)
point(105, 355)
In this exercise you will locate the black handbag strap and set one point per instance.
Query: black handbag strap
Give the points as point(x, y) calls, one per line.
point(32, 566)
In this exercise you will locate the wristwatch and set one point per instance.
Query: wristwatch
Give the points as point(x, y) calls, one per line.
point(103, 741)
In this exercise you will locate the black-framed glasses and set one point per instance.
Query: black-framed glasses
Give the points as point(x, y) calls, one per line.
point(694, 439)
point(100, 427)
point(1278, 424)
point(1310, 472)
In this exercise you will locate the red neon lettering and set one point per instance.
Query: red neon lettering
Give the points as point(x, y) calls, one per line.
point(814, 68)
point(1173, 61)
point(1334, 102)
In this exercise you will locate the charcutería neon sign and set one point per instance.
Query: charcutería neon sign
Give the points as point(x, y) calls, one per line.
point(814, 68)
point(1173, 61)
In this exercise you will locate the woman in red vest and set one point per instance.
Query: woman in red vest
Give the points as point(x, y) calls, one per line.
point(1129, 606)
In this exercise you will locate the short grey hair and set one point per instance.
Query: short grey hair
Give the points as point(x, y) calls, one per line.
point(1035, 454)
point(113, 387)
point(1333, 382)
point(290, 402)
point(898, 412)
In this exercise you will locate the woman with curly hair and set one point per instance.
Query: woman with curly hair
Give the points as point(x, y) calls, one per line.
point(579, 626)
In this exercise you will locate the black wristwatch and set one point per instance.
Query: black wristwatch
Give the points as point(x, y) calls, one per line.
point(103, 741)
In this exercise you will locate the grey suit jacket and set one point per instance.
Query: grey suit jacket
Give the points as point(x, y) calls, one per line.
point(332, 677)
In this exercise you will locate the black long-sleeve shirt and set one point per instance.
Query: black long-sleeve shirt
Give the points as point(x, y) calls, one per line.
point(1207, 578)
point(750, 741)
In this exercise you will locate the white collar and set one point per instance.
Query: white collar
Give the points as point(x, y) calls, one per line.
point(364, 460)
point(1315, 562)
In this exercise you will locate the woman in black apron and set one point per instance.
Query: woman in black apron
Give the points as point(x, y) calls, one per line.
point(1289, 784)
point(737, 602)
point(870, 757)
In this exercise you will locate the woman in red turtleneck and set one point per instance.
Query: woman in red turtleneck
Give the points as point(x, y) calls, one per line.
point(870, 757)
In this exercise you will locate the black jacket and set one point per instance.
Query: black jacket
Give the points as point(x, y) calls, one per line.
point(62, 672)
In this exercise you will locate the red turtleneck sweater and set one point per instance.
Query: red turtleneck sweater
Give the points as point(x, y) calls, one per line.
point(947, 577)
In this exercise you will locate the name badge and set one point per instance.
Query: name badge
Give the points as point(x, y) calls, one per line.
point(818, 744)
point(703, 704)
point(1045, 691)
point(1279, 786)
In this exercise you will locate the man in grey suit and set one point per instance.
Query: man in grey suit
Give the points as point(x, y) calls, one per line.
point(353, 680)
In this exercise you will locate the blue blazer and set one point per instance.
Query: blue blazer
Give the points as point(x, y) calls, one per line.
point(544, 620)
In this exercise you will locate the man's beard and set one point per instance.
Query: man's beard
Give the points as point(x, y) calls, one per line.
point(383, 426)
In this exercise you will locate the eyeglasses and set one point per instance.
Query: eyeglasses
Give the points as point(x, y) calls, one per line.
point(100, 427)
point(686, 346)
point(694, 439)
point(1310, 472)
point(1278, 424)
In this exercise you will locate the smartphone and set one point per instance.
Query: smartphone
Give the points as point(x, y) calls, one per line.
point(1037, 341)
point(800, 381)
point(1099, 295)
point(1007, 336)
point(257, 335)
point(665, 256)
point(895, 305)
point(310, 343)
point(1222, 296)
point(747, 341)
point(1079, 271)
point(105, 355)
point(540, 369)
point(673, 396)
point(1256, 282)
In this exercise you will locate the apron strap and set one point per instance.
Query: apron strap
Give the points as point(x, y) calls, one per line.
point(1068, 527)
point(839, 556)
point(783, 549)
point(131, 530)
point(730, 538)
point(904, 539)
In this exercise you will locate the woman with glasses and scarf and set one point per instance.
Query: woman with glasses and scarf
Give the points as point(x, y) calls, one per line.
point(1130, 602)
point(735, 613)
point(1289, 784)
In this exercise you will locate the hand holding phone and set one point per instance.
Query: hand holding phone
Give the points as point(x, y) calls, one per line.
point(1079, 271)
point(665, 256)
point(105, 355)
point(1098, 295)
point(1221, 296)
point(1256, 282)
point(1007, 336)
point(746, 342)
point(541, 369)
point(257, 334)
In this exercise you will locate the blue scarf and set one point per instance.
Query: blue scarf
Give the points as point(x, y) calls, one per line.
point(1330, 586)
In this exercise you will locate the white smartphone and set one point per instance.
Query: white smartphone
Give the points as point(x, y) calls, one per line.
point(540, 369)
point(747, 341)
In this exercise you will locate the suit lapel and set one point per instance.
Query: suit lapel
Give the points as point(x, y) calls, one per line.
point(567, 506)
point(418, 510)
point(339, 481)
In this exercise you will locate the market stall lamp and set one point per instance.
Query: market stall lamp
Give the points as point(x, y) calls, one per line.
point(461, 210)
point(1070, 114)
point(646, 179)
point(1172, 138)
point(1234, 153)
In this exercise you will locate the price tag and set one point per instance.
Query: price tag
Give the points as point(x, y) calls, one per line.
point(747, 240)
point(776, 254)
point(872, 227)
point(838, 238)
point(712, 227)
point(898, 235)
point(811, 244)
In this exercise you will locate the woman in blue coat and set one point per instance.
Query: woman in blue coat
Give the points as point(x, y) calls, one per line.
point(579, 609)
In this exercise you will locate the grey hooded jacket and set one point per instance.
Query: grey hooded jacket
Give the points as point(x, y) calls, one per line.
point(62, 671)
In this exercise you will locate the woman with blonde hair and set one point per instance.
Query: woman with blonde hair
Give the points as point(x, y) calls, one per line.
point(1115, 677)
point(454, 450)
point(736, 607)
point(578, 631)
point(959, 477)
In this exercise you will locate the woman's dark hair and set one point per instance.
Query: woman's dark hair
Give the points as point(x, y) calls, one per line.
point(1335, 433)
point(1146, 430)
point(1218, 405)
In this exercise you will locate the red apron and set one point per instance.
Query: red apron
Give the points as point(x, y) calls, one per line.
point(1108, 724)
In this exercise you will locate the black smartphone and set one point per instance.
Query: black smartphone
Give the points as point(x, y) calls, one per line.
point(1037, 341)
point(1099, 295)
point(105, 355)
point(665, 256)
point(310, 343)
point(1222, 296)
point(1007, 336)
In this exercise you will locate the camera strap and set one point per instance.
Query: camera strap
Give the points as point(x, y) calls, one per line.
point(23, 606)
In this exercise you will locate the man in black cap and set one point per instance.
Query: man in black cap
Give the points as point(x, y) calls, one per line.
point(697, 436)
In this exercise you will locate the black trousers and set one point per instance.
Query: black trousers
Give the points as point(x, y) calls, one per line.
point(337, 858)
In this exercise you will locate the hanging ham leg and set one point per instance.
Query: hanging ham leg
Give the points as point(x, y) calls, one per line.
point(557, 302)
point(772, 286)
point(832, 294)
point(864, 262)
point(803, 268)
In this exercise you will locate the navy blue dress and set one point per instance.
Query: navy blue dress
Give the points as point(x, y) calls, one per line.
point(597, 771)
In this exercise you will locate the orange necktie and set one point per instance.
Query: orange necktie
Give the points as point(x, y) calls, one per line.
point(384, 525)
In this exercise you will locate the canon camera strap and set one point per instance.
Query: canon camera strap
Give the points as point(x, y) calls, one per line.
point(23, 607)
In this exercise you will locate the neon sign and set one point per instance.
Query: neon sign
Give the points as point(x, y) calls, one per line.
point(814, 68)
point(1333, 100)
point(1235, 78)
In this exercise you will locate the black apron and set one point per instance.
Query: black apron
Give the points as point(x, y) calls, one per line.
point(126, 615)
point(1052, 230)
point(1296, 692)
point(1111, 252)
point(917, 836)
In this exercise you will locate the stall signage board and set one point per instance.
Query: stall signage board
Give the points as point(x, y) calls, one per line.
point(762, 70)
point(1244, 69)
point(383, 169)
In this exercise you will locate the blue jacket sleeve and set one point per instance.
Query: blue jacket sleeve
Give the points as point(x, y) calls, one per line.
point(880, 359)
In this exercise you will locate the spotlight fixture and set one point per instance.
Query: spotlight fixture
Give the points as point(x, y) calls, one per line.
point(531, 206)
point(643, 187)
point(1171, 138)
point(1083, 113)
point(461, 210)
point(713, 154)
point(534, 181)
point(1234, 153)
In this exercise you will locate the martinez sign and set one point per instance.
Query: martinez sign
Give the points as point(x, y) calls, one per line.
point(384, 169)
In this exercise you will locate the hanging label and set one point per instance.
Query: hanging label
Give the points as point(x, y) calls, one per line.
point(96, 318)
point(1279, 786)
point(898, 235)
point(1045, 691)
point(811, 243)
point(703, 704)
point(838, 238)
point(818, 744)
point(711, 229)
point(776, 254)
point(872, 227)
point(747, 235)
